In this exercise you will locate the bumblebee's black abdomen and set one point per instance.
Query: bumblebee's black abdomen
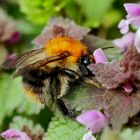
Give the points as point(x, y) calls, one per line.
point(33, 79)
point(38, 74)
point(35, 86)
point(36, 83)
point(33, 74)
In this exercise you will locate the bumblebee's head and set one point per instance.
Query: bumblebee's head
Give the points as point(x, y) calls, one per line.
point(60, 45)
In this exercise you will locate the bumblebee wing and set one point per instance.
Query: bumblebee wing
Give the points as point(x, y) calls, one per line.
point(35, 58)
point(25, 59)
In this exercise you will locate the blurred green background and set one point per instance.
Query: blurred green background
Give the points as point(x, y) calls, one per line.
point(20, 22)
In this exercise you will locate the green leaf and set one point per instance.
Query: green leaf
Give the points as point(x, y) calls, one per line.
point(26, 28)
point(111, 18)
point(38, 11)
point(110, 50)
point(13, 98)
point(109, 134)
point(94, 11)
point(19, 122)
point(3, 54)
point(126, 134)
point(130, 134)
point(64, 129)
point(71, 11)
point(34, 131)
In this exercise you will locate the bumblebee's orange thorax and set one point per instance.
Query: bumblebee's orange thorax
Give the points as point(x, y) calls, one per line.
point(59, 45)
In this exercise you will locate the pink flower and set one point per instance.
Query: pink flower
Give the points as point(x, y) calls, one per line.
point(88, 136)
point(93, 120)
point(128, 87)
point(123, 26)
point(15, 37)
point(10, 57)
point(137, 40)
point(133, 17)
point(126, 41)
point(7, 26)
point(99, 56)
point(132, 9)
point(17, 135)
point(59, 26)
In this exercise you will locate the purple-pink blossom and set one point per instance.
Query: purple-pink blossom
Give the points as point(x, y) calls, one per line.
point(88, 136)
point(132, 17)
point(10, 57)
point(137, 40)
point(125, 41)
point(15, 134)
point(15, 37)
point(116, 76)
point(128, 87)
point(93, 120)
point(132, 9)
point(99, 56)
point(7, 26)
point(124, 26)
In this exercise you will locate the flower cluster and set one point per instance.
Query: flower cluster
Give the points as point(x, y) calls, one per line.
point(120, 79)
point(15, 134)
point(133, 20)
point(8, 34)
point(94, 121)
point(8, 31)
point(59, 26)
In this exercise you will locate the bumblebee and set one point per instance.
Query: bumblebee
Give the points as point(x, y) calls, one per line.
point(48, 72)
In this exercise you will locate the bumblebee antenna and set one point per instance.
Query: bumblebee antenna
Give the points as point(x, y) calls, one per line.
point(107, 48)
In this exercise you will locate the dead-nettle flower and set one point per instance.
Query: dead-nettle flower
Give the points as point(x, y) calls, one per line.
point(7, 27)
point(99, 56)
point(59, 26)
point(88, 136)
point(94, 121)
point(137, 40)
point(128, 40)
point(125, 41)
point(132, 17)
point(123, 73)
point(15, 134)
point(118, 104)
point(15, 37)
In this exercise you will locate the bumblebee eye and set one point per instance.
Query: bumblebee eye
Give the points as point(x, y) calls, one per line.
point(85, 60)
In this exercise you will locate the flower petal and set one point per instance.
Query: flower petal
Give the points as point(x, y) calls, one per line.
point(93, 120)
point(10, 133)
point(14, 38)
point(13, 133)
point(125, 41)
point(128, 87)
point(7, 26)
point(99, 56)
point(134, 20)
point(88, 136)
point(59, 26)
point(132, 9)
point(137, 40)
point(123, 26)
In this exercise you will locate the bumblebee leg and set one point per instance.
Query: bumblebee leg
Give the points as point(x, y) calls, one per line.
point(65, 108)
point(70, 74)
point(93, 82)
point(66, 77)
